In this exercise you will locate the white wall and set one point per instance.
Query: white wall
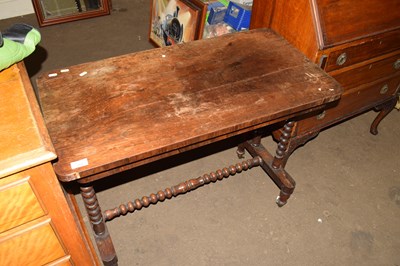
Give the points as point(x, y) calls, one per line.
point(14, 8)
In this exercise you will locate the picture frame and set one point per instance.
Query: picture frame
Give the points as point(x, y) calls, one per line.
point(176, 21)
point(50, 12)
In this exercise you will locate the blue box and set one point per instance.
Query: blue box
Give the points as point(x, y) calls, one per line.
point(214, 5)
point(238, 16)
point(217, 13)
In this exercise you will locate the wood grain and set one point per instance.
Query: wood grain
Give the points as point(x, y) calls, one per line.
point(347, 20)
point(22, 135)
point(36, 225)
point(367, 33)
point(353, 101)
point(65, 223)
point(37, 244)
point(132, 107)
point(362, 50)
point(367, 72)
point(297, 28)
point(23, 207)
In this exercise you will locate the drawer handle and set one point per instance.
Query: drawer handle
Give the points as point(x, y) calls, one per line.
point(396, 64)
point(321, 115)
point(342, 58)
point(384, 89)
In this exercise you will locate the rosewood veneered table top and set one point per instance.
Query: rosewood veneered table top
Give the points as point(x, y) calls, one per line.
point(111, 113)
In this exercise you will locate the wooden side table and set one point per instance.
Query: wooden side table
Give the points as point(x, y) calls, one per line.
point(115, 114)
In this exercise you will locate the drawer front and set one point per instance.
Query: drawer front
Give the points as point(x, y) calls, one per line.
point(367, 73)
point(18, 202)
point(34, 245)
point(352, 102)
point(344, 56)
point(344, 20)
point(64, 261)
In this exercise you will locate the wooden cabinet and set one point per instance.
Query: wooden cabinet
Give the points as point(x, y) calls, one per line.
point(356, 42)
point(37, 226)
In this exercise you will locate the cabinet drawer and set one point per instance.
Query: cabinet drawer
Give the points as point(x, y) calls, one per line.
point(64, 261)
point(362, 50)
point(35, 244)
point(369, 72)
point(352, 102)
point(18, 201)
point(346, 20)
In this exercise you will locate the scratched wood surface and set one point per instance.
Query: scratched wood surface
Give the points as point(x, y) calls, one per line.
point(114, 112)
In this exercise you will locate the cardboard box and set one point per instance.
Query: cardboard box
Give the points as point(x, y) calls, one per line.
point(217, 13)
point(238, 16)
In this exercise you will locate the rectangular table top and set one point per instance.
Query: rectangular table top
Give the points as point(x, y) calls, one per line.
point(113, 112)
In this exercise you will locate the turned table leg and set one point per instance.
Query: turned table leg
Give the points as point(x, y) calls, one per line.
point(274, 166)
point(241, 150)
point(101, 235)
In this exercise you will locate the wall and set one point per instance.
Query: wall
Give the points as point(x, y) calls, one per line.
point(14, 8)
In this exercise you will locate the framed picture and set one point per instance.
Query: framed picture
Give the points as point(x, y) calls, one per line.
point(176, 21)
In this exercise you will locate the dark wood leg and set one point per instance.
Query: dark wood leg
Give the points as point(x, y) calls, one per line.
point(73, 204)
point(240, 151)
point(289, 142)
point(255, 141)
point(384, 109)
point(283, 150)
point(101, 235)
point(274, 165)
point(281, 178)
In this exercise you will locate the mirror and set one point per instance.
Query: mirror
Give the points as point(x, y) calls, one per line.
point(49, 12)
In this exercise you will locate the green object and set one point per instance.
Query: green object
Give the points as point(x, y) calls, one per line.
point(224, 2)
point(18, 42)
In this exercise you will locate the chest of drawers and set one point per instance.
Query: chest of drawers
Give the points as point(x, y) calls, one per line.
point(37, 226)
point(358, 43)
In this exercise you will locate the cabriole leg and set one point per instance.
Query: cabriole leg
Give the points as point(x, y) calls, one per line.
point(384, 109)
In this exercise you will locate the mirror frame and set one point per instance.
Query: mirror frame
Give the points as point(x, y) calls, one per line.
point(105, 10)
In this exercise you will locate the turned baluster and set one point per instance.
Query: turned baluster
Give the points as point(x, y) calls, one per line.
point(181, 188)
point(281, 150)
point(101, 235)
